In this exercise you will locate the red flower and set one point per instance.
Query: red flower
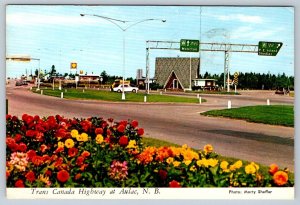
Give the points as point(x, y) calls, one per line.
point(48, 173)
point(108, 132)
point(134, 123)
point(36, 118)
point(72, 152)
point(19, 183)
point(140, 131)
point(30, 154)
point(63, 176)
point(62, 133)
point(98, 131)
point(110, 120)
point(280, 178)
point(59, 149)
point(30, 133)
point(30, 176)
point(14, 119)
point(82, 168)
point(37, 160)
point(11, 144)
point(86, 125)
point(162, 174)
point(77, 176)
point(273, 169)
point(18, 137)
point(123, 122)
point(174, 184)
point(7, 174)
point(8, 117)
point(22, 147)
point(121, 128)
point(123, 141)
point(46, 158)
point(43, 148)
point(58, 162)
point(85, 154)
point(80, 161)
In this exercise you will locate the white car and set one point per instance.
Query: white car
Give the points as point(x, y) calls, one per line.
point(127, 88)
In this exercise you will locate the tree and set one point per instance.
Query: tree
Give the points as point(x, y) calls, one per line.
point(52, 71)
point(105, 77)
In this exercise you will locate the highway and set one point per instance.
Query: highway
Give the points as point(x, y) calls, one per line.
point(179, 123)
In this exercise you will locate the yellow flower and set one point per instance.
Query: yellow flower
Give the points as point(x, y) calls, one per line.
point(250, 169)
point(79, 138)
point(224, 165)
point(236, 165)
point(255, 165)
point(187, 162)
point(184, 146)
point(193, 168)
point(131, 144)
point(85, 137)
point(69, 143)
point(213, 162)
point(74, 133)
point(170, 160)
point(208, 148)
point(176, 163)
point(61, 145)
point(99, 139)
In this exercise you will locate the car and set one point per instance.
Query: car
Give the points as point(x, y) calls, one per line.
point(20, 83)
point(127, 88)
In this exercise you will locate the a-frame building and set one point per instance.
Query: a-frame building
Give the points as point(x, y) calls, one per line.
point(175, 73)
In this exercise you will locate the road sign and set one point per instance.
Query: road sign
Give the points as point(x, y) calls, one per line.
point(73, 65)
point(187, 45)
point(236, 78)
point(268, 48)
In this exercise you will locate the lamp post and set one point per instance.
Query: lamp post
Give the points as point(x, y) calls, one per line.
point(124, 29)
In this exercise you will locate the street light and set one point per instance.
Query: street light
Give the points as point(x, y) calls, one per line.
point(124, 29)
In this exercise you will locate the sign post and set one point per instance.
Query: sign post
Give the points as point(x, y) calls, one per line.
point(269, 48)
point(235, 80)
point(188, 45)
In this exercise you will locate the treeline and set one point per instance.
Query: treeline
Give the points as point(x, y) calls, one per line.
point(256, 80)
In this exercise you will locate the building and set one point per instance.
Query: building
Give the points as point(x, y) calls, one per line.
point(176, 73)
point(204, 84)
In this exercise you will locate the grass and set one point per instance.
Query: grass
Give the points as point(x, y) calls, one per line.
point(116, 97)
point(272, 114)
point(147, 141)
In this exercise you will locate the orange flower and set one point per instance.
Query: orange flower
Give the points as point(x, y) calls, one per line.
point(273, 169)
point(280, 178)
point(147, 155)
point(208, 148)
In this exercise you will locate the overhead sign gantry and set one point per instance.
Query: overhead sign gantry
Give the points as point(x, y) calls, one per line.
point(263, 48)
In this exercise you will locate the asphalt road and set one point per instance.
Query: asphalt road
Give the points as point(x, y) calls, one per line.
point(180, 123)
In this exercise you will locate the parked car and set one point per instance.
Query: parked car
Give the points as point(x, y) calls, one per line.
point(20, 83)
point(127, 88)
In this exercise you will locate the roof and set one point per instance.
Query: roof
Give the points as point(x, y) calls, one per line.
point(181, 66)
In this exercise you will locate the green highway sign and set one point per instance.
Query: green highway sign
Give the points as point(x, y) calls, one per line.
point(187, 45)
point(268, 48)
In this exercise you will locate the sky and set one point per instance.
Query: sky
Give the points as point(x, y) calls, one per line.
point(58, 35)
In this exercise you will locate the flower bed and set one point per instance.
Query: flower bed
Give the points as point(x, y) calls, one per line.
point(93, 152)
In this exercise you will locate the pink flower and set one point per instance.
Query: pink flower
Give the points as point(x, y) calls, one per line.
point(118, 170)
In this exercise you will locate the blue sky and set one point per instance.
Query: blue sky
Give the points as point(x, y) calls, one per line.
point(58, 35)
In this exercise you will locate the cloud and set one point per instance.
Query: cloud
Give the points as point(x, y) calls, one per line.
point(239, 17)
